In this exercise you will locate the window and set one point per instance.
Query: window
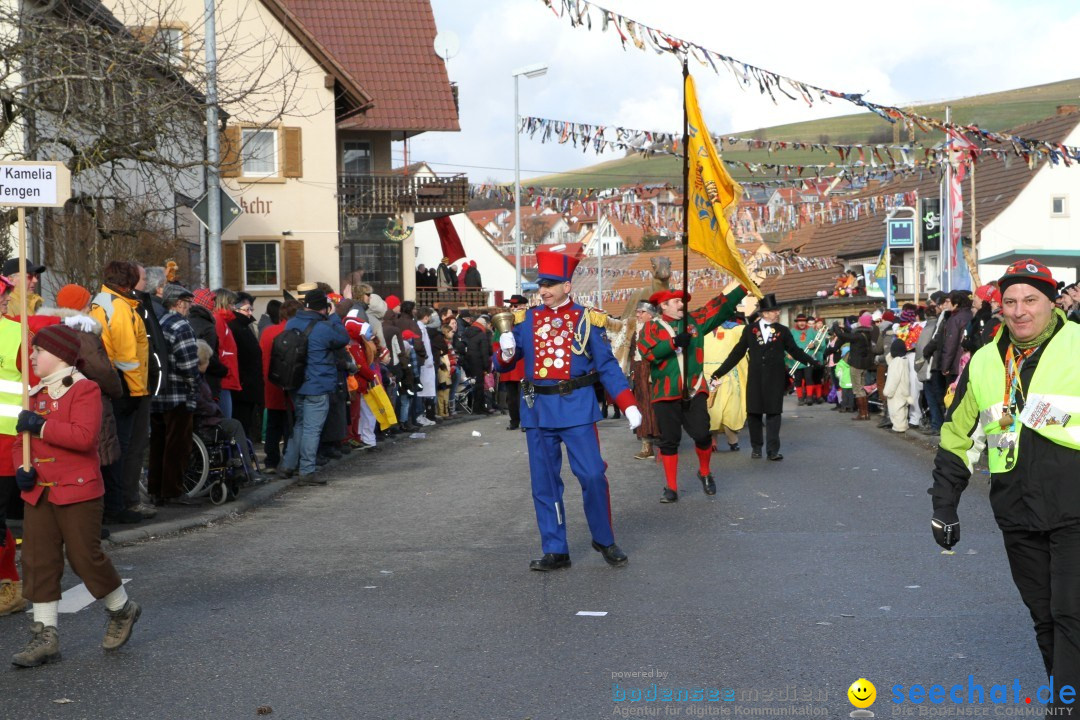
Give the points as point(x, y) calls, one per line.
point(258, 153)
point(169, 41)
point(262, 266)
point(356, 158)
point(1059, 206)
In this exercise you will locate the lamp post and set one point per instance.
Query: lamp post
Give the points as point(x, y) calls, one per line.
point(529, 71)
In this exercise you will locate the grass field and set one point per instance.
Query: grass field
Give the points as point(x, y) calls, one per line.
point(994, 111)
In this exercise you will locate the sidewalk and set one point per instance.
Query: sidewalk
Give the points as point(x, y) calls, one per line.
point(174, 519)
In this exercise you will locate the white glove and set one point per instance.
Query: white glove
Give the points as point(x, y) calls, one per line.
point(633, 415)
point(80, 322)
point(508, 345)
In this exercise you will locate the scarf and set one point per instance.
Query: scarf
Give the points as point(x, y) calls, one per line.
point(54, 383)
point(1041, 337)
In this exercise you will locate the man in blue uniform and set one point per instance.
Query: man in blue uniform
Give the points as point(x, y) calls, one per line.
point(564, 350)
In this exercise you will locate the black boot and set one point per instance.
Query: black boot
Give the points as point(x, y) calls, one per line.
point(550, 561)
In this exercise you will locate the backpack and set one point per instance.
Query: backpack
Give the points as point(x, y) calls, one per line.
point(288, 358)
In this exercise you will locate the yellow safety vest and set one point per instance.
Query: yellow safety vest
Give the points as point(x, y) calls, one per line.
point(1055, 380)
point(10, 375)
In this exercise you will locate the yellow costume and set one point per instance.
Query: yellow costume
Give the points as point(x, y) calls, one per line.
point(727, 402)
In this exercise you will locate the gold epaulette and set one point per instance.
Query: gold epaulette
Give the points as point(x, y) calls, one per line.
point(598, 318)
point(519, 315)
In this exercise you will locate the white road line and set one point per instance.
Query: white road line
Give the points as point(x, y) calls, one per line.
point(75, 599)
point(592, 613)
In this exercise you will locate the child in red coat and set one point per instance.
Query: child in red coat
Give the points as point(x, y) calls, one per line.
point(63, 490)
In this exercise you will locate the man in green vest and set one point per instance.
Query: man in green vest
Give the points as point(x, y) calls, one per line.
point(1019, 399)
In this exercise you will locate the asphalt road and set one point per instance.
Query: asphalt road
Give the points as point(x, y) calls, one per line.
point(401, 590)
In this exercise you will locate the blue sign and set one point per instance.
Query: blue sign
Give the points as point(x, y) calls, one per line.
point(901, 233)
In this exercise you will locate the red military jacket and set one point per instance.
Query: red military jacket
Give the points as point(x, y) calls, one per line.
point(66, 454)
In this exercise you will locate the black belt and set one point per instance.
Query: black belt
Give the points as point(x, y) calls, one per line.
point(564, 387)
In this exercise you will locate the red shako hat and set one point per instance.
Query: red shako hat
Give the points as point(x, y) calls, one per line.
point(555, 266)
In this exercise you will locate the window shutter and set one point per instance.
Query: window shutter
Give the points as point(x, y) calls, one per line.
point(294, 157)
point(230, 266)
point(294, 263)
point(230, 151)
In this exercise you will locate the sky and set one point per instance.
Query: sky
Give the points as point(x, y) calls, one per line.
point(896, 53)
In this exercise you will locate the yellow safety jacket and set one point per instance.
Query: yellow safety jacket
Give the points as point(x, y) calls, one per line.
point(10, 375)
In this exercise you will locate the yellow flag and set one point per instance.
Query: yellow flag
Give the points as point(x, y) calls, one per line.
point(713, 196)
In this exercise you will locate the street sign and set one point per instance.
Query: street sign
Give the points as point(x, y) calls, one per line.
point(930, 216)
point(30, 183)
point(901, 233)
point(230, 211)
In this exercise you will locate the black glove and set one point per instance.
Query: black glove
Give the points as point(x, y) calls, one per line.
point(681, 340)
point(946, 527)
point(25, 479)
point(716, 374)
point(29, 421)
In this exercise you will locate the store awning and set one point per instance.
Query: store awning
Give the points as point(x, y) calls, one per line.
point(1050, 258)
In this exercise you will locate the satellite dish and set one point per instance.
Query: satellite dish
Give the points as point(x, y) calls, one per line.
point(447, 44)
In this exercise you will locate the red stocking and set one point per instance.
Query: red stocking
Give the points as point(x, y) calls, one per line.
point(671, 470)
point(703, 458)
point(7, 558)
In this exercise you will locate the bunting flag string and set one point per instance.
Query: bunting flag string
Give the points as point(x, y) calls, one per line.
point(649, 142)
point(889, 158)
point(580, 14)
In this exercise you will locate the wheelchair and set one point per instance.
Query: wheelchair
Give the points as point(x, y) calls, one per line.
point(215, 467)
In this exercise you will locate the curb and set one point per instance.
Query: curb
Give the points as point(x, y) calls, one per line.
point(252, 498)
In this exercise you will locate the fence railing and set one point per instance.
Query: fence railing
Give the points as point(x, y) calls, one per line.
point(388, 194)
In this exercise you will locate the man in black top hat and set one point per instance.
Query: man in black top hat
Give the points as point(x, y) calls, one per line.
point(767, 341)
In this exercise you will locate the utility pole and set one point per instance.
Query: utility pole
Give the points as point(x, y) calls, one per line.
point(213, 151)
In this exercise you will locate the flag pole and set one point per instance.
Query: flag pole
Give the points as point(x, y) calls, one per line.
point(685, 221)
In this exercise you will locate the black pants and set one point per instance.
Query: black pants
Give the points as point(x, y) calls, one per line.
point(244, 411)
point(278, 430)
point(479, 396)
point(1046, 569)
point(674, 415)
point(513, 401)
point(772, 432)
point(170, 451)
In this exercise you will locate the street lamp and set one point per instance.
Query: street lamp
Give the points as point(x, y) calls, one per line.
point(529, 71)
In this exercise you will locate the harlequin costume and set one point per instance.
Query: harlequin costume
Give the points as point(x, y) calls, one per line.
point(563, 352)
point(808, 377)
point(674, 409)
point(766, 344)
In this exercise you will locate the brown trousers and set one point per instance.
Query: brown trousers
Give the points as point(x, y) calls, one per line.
point(170, 451)
point(51, 530)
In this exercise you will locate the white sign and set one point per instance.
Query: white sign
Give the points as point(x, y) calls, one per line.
point(34, 184)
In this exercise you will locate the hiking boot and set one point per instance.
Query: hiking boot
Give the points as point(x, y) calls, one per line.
point(646, 451)
point(43, 648)
point(118, 630)
point(11, 599)
point(310, 479)
point(147, 511)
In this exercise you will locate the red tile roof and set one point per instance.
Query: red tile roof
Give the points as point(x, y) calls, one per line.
point(388, 46)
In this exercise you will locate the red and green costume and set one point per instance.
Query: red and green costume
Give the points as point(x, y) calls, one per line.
point(673, 411)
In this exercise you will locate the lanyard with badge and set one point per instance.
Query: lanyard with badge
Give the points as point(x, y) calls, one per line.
point(1014, 361)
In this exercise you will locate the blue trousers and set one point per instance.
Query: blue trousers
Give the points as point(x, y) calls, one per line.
point(545, 466)
point(311, 411)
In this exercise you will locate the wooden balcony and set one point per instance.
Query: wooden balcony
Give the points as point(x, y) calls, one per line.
point(389, 194)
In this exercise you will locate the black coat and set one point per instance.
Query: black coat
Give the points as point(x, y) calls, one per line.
point(766, 383)
point(248, 359)
point(861, 354)
point(202, 323)
point(477, 351)
point(472, 279)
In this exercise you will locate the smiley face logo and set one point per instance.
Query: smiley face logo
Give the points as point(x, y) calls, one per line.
point(862, 693)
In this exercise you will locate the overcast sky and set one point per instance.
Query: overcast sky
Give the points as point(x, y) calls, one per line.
point(918, 50)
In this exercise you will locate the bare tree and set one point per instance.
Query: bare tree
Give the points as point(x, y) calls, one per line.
point(119, 96)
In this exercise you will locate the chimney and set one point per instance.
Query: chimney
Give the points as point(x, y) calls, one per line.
point(1067, 109)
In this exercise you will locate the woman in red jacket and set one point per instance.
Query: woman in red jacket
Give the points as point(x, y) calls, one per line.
point(223, 314)
point(63, 490)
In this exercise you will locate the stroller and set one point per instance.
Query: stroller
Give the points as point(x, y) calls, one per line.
point(460, 401)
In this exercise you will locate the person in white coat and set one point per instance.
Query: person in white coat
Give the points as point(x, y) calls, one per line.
point(898, 386)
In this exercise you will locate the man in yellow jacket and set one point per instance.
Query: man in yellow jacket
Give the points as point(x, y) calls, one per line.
point(727, 397)
point(115, 307)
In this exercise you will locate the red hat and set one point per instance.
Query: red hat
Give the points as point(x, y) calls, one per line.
point(204, 297)
point(555, 266)
point(988, 293)
point(888, 315)
point(409, 335)
point(393, 302)
point(1026, 271)
point(664, 295)
point(73, 297)
point(802, 317)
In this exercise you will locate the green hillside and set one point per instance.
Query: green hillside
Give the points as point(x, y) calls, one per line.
point(994, 111)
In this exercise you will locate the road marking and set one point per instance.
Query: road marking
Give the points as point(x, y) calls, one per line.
point(592, 613)
point(75, 599)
